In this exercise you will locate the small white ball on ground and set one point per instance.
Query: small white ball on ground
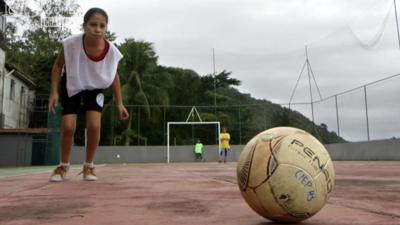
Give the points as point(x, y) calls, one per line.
point(118, 156)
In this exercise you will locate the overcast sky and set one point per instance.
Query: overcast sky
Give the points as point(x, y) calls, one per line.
point(350, 43)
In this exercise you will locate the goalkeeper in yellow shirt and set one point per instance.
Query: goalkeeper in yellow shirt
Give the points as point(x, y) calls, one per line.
point(224, 142)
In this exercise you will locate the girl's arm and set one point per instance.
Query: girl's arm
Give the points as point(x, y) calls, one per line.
point(116, 87)
point(55, 80)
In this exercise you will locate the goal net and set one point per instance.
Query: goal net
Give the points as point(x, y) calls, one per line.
point(171, 124)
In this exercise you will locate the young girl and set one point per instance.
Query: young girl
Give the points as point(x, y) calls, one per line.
point(88, 64)
point(224, 140)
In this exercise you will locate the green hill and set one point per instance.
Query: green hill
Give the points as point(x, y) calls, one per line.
point(170, 94)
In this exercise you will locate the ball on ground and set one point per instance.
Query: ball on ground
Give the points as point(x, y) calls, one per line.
point(285, 174)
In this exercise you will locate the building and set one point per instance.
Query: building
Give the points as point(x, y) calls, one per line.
point(21, 146)
point(16, 89)
point(4, 10)
point(16, 98)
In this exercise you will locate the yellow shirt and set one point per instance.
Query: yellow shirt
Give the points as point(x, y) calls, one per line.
point(224, 140)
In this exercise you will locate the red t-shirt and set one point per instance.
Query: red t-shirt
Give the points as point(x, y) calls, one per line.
point(102, 55)
point(97, 58)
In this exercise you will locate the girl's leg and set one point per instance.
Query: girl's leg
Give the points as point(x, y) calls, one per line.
point(220, 155)
point(68, 126)
point(225, 154)
point(93, 125)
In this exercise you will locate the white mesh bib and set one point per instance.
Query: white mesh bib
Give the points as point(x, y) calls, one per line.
point(82, 72)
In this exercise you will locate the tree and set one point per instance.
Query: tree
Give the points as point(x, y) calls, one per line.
point(39, 42)
point(281, 118)
point(139, 78)
point(222, 80)
point(31, 45)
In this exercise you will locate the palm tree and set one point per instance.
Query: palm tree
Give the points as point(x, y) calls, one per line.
point(138, 73)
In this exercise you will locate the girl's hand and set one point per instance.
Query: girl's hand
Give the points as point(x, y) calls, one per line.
point(53, 101)
point(122, 112)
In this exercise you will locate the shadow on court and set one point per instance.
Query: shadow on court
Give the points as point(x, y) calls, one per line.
point(185, 193)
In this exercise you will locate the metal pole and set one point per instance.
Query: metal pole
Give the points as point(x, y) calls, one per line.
point(309, 83)
point(337, 116)
point(215, 90)
point(297, 82)
point(397, 22)
point(138, 132)
point(167, 142)
point(193, 141)
point(164, 125)
point(219, 138)
point(366, 110)
point(240, 128)
point(215, 86)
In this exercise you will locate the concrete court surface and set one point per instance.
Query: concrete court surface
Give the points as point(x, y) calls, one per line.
point(185, 193)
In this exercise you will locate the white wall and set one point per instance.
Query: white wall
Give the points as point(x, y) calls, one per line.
point(381, 150)
point(16, 109)
point(2, 62)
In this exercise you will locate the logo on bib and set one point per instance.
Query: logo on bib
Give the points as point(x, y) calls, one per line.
point(100, 99)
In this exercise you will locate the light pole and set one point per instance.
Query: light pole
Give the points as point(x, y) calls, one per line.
point(397, 22)
point(215, 86)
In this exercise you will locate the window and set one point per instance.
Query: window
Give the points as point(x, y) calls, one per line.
point(22, 96)
point(12, 90)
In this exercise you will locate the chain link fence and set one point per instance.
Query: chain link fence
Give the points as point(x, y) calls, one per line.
point(368, 112)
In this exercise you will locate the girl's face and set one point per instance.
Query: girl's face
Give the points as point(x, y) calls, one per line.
point(96, 26)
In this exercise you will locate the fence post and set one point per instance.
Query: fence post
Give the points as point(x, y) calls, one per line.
point(138, 134)
point(366, 110)
point(240, 127)
point(164, 124)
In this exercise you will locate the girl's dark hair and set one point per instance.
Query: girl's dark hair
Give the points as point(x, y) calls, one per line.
point(92, 11)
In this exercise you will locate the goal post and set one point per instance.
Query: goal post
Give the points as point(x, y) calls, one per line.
point(191, 123)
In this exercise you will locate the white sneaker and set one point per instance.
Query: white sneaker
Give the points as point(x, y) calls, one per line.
point(88, 173)
point(59, 174)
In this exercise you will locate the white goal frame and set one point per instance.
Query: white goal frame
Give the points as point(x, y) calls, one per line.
point(193, 123)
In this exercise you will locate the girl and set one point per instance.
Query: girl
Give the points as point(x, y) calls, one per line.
point(88, 64)
point(224, 142)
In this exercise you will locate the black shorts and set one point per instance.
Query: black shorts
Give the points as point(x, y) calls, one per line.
point(93, 100)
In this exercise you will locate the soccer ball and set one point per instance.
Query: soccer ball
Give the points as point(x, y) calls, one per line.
point(285, 174)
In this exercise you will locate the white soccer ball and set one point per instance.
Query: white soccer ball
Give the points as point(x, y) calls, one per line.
point(285, 174)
